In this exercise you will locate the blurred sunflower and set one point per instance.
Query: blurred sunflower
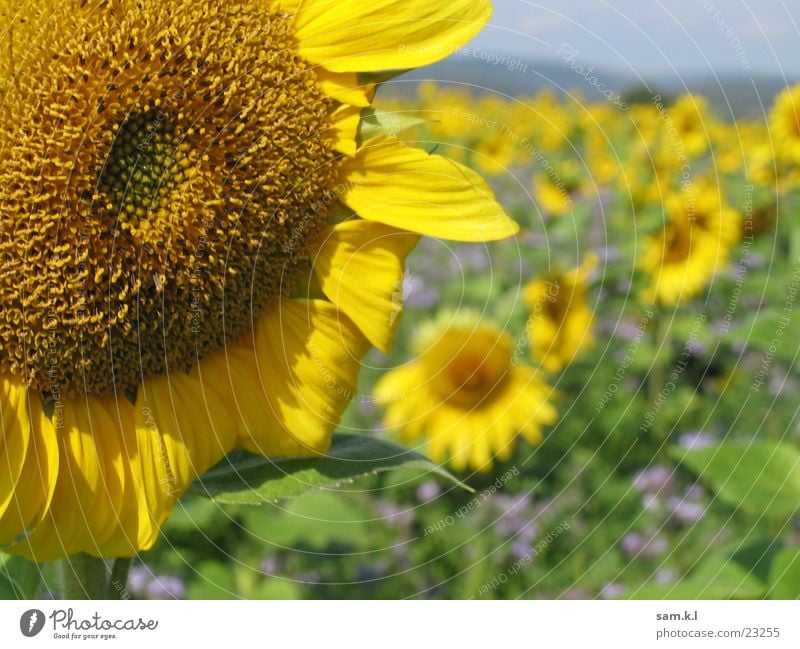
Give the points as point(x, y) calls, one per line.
point(680, 260)
point(785, 124)
point(692, 121)
point(560, 324)
point(701, 203)
point(555, 188)
point(197, 246)
point(467, 394)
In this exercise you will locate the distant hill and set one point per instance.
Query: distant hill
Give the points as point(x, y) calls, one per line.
point(731, 96)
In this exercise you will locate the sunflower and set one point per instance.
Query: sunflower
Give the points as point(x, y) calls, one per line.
point(701, 203)
point(695, 243)
point(560, 323)
point(466, 393)
point(680, 260)
point(785, 124)
point(691, 120)
point(556, 186)
point(197, 243)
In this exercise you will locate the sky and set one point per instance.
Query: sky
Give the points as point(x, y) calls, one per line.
point(652, 39)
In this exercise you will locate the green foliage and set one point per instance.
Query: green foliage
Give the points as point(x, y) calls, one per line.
point(247, 479)
point(714, 579)
point(695, 497)
point(760, 477)
point(375, 122)
point(784, 578)
point(19, 578)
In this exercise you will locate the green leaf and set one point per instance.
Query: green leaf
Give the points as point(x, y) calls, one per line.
point(212, 581)
point(784, 577)
point(766, 331)
point(280, 589)
point(757, 557)
point(247, 479)
point(376, 122)
point(317, 521)
point(19, 578)
point(378, 78)
point(714, 579)
point(761, 478)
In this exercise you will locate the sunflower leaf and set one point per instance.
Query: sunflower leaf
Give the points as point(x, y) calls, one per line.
point(375, 122)
point(784, 575)
point(248, 479)
point(761, 478)
point(19, 578)
point(714, 579)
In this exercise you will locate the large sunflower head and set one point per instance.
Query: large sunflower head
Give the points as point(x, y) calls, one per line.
point(162, 192)
point(198, 241)
point(467, 393)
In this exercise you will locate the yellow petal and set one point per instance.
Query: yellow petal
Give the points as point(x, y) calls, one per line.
point(359, 36)
point(344, 122)
point(99, 504)
point(293, 391)
point(345, 87)
point(88, 493)
point(406, 405)
point(36, 481)
point(409, 189)
point(360, 270)
point(143, 499)
point(15, 437)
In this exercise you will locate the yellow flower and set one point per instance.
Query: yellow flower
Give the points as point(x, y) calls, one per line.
point(701, 203)
point(494, 153)
point(691, 120)
point(555, 186)
point(680, 260)
point(560, 324)
point(785, 124)
point(176, 177)
point(466, 393)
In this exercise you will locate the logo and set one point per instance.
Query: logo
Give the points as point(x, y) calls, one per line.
point(31, 622)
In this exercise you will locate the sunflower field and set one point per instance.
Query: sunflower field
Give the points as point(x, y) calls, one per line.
point(601, 404)
point(624, 421)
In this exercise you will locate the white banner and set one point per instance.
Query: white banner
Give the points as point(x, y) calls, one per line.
point(385, 625)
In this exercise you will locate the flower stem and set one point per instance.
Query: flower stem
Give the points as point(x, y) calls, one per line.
point(85, 577)
point(119, 579)
point(658, 370)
